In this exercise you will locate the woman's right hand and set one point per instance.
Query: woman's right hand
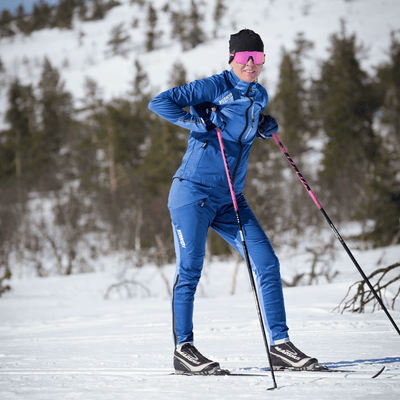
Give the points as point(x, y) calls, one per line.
point(217, 118)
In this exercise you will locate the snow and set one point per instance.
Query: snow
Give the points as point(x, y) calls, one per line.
point(61, 339)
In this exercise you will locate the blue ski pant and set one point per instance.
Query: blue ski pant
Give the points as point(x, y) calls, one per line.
point(194, 208)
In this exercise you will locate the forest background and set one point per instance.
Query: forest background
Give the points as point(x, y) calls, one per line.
point(86, 173)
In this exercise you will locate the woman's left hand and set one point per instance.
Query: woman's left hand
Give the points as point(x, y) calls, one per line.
point(266, 126)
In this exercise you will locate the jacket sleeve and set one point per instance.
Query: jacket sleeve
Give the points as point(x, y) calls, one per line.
point(266, 98)
point(171, 103)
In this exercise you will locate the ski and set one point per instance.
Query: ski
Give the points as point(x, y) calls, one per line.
point(314, 372)
point(286, 371)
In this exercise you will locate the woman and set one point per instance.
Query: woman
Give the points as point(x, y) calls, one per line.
point(200, 196)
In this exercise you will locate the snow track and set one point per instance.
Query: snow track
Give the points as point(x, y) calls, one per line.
point(60, 340)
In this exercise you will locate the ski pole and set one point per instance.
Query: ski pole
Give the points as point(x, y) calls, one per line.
point(246, 256)
point(310, 192)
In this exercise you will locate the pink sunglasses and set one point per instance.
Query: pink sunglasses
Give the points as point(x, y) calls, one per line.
point(242, 57)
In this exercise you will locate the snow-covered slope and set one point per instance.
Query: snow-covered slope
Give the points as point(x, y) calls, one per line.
point(82, 52)
point(60, 339)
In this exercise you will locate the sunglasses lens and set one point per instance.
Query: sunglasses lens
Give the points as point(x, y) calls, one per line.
point(242, 57)
point(258, 58)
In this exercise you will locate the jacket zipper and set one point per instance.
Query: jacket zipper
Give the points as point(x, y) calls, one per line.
point(252, 123)
point(240, 137)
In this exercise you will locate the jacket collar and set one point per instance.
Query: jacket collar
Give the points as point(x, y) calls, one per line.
point(238, 83)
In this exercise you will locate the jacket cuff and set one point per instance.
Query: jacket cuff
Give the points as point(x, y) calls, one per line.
point(209, 125)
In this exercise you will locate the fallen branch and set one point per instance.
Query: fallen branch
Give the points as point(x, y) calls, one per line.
point(363, 295)
point(126, 284)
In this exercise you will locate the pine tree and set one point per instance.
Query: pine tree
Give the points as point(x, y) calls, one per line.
point(5, 28)
point(163, 157)
point(384, 193)
point(290, 108)
point(121, 136)
point(22, 20)
point(177, 20)
point(118, 41)
point(2, 71)
point(82, 9)
point(388, 76)
point(178, 76)
point(151, 34)
point(65, 13)
point(290, 105)
point(140, 83)
point(219, 11)
point(17, 141)
point(195, 35)
point(56, 115)
point(186, 27)
point(41, 16)
point(85, 142)
point(6, 17)
point(347, 102)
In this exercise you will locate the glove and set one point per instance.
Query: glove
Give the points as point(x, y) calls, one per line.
point(266, 126)
point(217, 118)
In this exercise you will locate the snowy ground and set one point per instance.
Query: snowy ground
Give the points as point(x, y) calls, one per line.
point(61, 339)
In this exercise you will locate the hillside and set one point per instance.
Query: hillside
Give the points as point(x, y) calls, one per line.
point(82, 51)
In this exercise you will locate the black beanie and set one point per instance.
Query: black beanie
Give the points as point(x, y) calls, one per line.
point(245, 40)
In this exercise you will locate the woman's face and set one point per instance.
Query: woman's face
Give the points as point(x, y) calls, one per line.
point(246, 72)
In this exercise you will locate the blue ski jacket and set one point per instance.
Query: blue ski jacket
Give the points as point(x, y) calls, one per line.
point(240, 104)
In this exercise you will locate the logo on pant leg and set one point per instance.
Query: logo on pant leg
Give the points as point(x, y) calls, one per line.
point(181, 238)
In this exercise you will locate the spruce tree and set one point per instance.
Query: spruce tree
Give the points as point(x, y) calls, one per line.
point(41, 16)
point(388, 80)
point(162, 158)
point(186, 27)
point(6, 17)
point(383, 206)
point(56, 115)
point(85, 141)
point(151, 34)
point(65, 13)
point(22, 20)
point(2, 77)
point(219, 11)
point(119, 40)
point(346, 103)
point(178, 75)
point(177, 19)
point(290, 104)
point(195, 34)
point(17, 140)
point(290, 108)
point(5, 26)
point(140, 84)
point(82, 9)
point(98, 8)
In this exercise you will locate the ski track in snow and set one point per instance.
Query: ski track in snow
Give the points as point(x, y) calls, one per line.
point(60, 339)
